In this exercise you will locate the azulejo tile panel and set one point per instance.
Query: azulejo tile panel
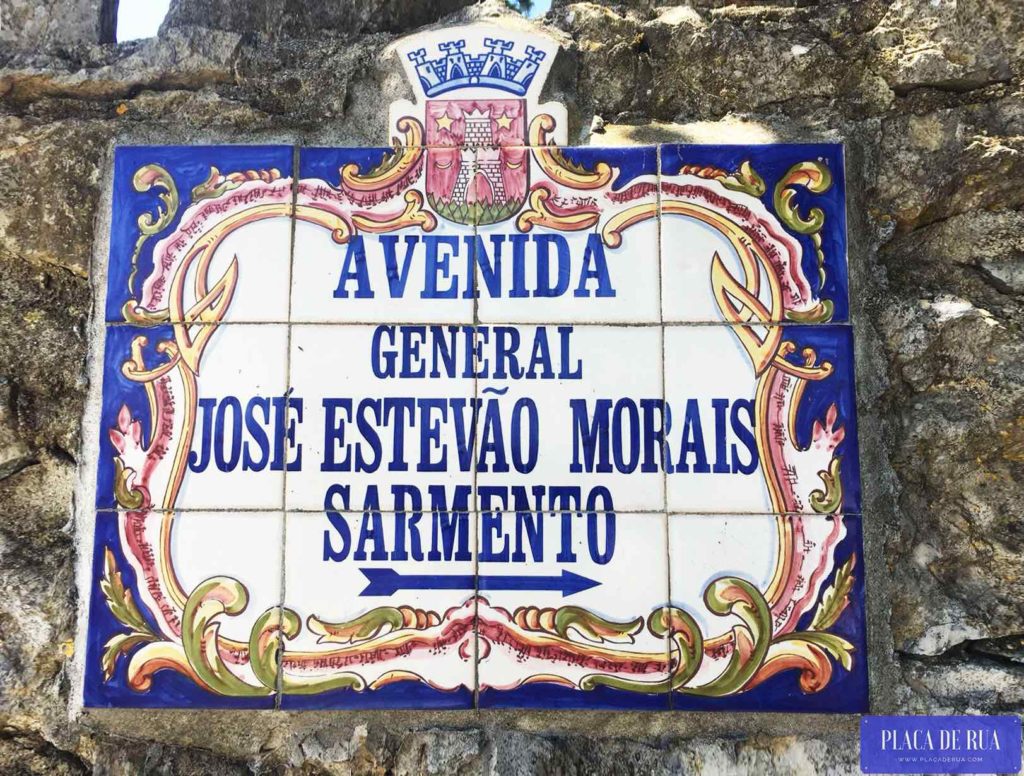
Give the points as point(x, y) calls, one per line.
point(478, 419)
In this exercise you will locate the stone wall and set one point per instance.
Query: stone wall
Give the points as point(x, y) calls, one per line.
point(929, 99)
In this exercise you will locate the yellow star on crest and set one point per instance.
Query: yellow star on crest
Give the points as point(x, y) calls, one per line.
point(445, 122)
point(503, 121)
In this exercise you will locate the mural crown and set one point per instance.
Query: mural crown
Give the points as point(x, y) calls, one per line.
point(496, 67)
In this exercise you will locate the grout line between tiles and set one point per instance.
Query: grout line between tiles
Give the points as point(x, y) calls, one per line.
point(667, 523)
point(664, 446)
point(574, 322)
point(474, 279)
point(661, 315)
point(283, 431)
point(242, 513)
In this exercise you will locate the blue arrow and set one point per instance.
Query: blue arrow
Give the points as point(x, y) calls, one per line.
point(389, 582)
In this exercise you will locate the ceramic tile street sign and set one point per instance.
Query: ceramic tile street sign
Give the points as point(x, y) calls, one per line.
point(478, 419)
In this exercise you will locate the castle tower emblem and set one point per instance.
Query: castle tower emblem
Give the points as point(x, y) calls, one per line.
point(477, 103)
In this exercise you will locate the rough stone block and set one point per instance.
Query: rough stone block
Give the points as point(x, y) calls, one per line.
point(41, 24)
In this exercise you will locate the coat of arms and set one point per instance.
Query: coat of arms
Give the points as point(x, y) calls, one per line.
point(473, 118)
point(478, 172)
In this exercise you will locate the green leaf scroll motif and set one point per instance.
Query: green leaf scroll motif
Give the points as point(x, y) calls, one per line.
point(836, 598)
point(122, 606)
point(836, 646)
point(593, 627)
point(367, 626)
point(745, 179)
point(126, 497)
point(199, 635)
point(266, 649)
point(685, 636)
point(752, 645)
point(732, 595)
point(816, 178)
point(145, 178)
point(476, 212)
point(829, 500)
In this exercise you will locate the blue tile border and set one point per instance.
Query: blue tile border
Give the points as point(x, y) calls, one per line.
point(551, 696)
point(404, 695)
point(119, 391)
point(325, 163)
point(834, 344)
point(188, 166)
point(631, 161)
point(168, 689)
